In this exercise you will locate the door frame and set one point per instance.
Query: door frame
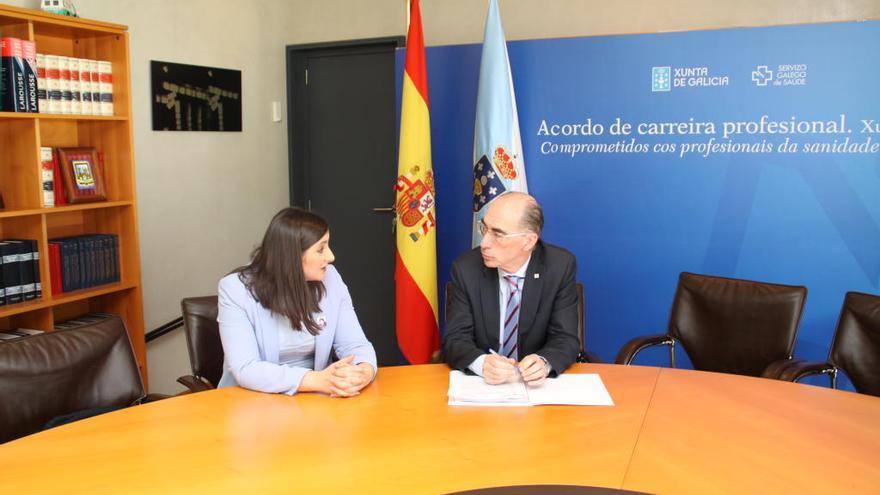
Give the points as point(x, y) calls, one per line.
point(295, 57)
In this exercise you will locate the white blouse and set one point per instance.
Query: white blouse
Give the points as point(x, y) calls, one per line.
point(296, 348)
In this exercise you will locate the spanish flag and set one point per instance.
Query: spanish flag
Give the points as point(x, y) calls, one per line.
point(416, 270)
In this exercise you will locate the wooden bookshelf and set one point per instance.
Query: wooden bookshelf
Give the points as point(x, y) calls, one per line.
point(22, 135)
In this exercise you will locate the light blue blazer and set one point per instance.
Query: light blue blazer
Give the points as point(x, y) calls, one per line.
point(249, 333)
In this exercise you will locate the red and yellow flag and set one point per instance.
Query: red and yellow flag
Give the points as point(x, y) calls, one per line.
point(416, 269)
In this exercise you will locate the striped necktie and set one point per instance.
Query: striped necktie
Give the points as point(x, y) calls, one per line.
point(511, 317)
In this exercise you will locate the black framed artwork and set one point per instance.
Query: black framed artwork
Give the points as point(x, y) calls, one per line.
point(195, 98)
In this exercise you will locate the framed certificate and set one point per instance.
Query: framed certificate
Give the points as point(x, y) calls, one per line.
point(82, 175)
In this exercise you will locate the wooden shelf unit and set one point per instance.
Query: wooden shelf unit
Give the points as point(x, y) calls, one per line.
point(22, 135)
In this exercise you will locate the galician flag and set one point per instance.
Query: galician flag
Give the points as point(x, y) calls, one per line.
point(416, 269)
point(498, 160)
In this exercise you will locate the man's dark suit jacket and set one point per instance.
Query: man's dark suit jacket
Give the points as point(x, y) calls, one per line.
point(548, 314)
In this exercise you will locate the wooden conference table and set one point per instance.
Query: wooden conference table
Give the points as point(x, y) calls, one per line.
point(671, 431)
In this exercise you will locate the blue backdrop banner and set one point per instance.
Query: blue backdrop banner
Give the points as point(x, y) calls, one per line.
point(750, 153)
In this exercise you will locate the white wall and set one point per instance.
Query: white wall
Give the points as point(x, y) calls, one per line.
point(205, 198)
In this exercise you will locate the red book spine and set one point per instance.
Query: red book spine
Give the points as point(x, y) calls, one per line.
point(55, 268)
point(60, 195)
point(13, 89)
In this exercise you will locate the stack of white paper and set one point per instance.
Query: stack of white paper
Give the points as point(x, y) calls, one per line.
point(571, 389)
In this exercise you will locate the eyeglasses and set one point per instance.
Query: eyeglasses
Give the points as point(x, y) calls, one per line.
point(497, 235)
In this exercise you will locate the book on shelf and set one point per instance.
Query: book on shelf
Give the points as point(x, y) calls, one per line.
point(28, 269)
point(53, 84)
point(64, 84)
point(47, 173)
point(105, 86)
point(85, 81)
point(35, 258)
point(17, 333)
point(54, 270)
point(85, 319)
point(85, 261)
point(6, 280)
point(96, 87)
point(57, 84)
point(25, 332)
point(9, 253)
point(29, 63)
point(19, 271)
point(42, 85)
point(74, 86)
point(13, 89)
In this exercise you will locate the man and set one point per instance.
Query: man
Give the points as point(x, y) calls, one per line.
point(514, 304)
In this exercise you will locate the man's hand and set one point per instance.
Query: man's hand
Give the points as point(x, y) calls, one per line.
point(534, 370)
point(498, 369)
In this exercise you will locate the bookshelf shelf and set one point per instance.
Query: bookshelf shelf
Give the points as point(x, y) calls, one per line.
point(24, 212)
point(21, 137)
point(24, 307)
point(51, 116)
point(15, 115)
point(80, 117)
point(84, 294)
point(47, 301)
point(11, 213)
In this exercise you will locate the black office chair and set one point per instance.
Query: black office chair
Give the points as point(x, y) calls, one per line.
point(855, 348)
point(437, 357)
point(728, 325)
point(202, 342)
point(583, 355)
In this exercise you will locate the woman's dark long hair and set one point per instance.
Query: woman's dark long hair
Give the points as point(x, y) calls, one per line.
point(275, 275)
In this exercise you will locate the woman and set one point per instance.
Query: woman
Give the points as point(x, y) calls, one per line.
point(281, 315)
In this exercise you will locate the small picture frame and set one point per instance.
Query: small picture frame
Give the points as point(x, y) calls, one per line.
point(82, 175)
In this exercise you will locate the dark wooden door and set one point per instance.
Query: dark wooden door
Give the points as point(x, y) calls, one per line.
point(343, 149)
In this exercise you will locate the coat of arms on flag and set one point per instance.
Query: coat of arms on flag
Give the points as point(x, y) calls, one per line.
point(487, 183)
point(504, 163)
point(416, 202)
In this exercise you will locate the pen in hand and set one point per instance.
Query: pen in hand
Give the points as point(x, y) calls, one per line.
point(515, 366)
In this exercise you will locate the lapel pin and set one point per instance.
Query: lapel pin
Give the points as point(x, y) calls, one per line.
point(537, 275)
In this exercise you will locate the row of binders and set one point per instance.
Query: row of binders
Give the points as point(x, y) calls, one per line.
point(17, 333)
point(86, 319)
point(75, 263)
point(36, 82)
point(83, 261)
point(19, 271)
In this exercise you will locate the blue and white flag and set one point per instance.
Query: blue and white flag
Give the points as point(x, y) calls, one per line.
point(498, 160)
